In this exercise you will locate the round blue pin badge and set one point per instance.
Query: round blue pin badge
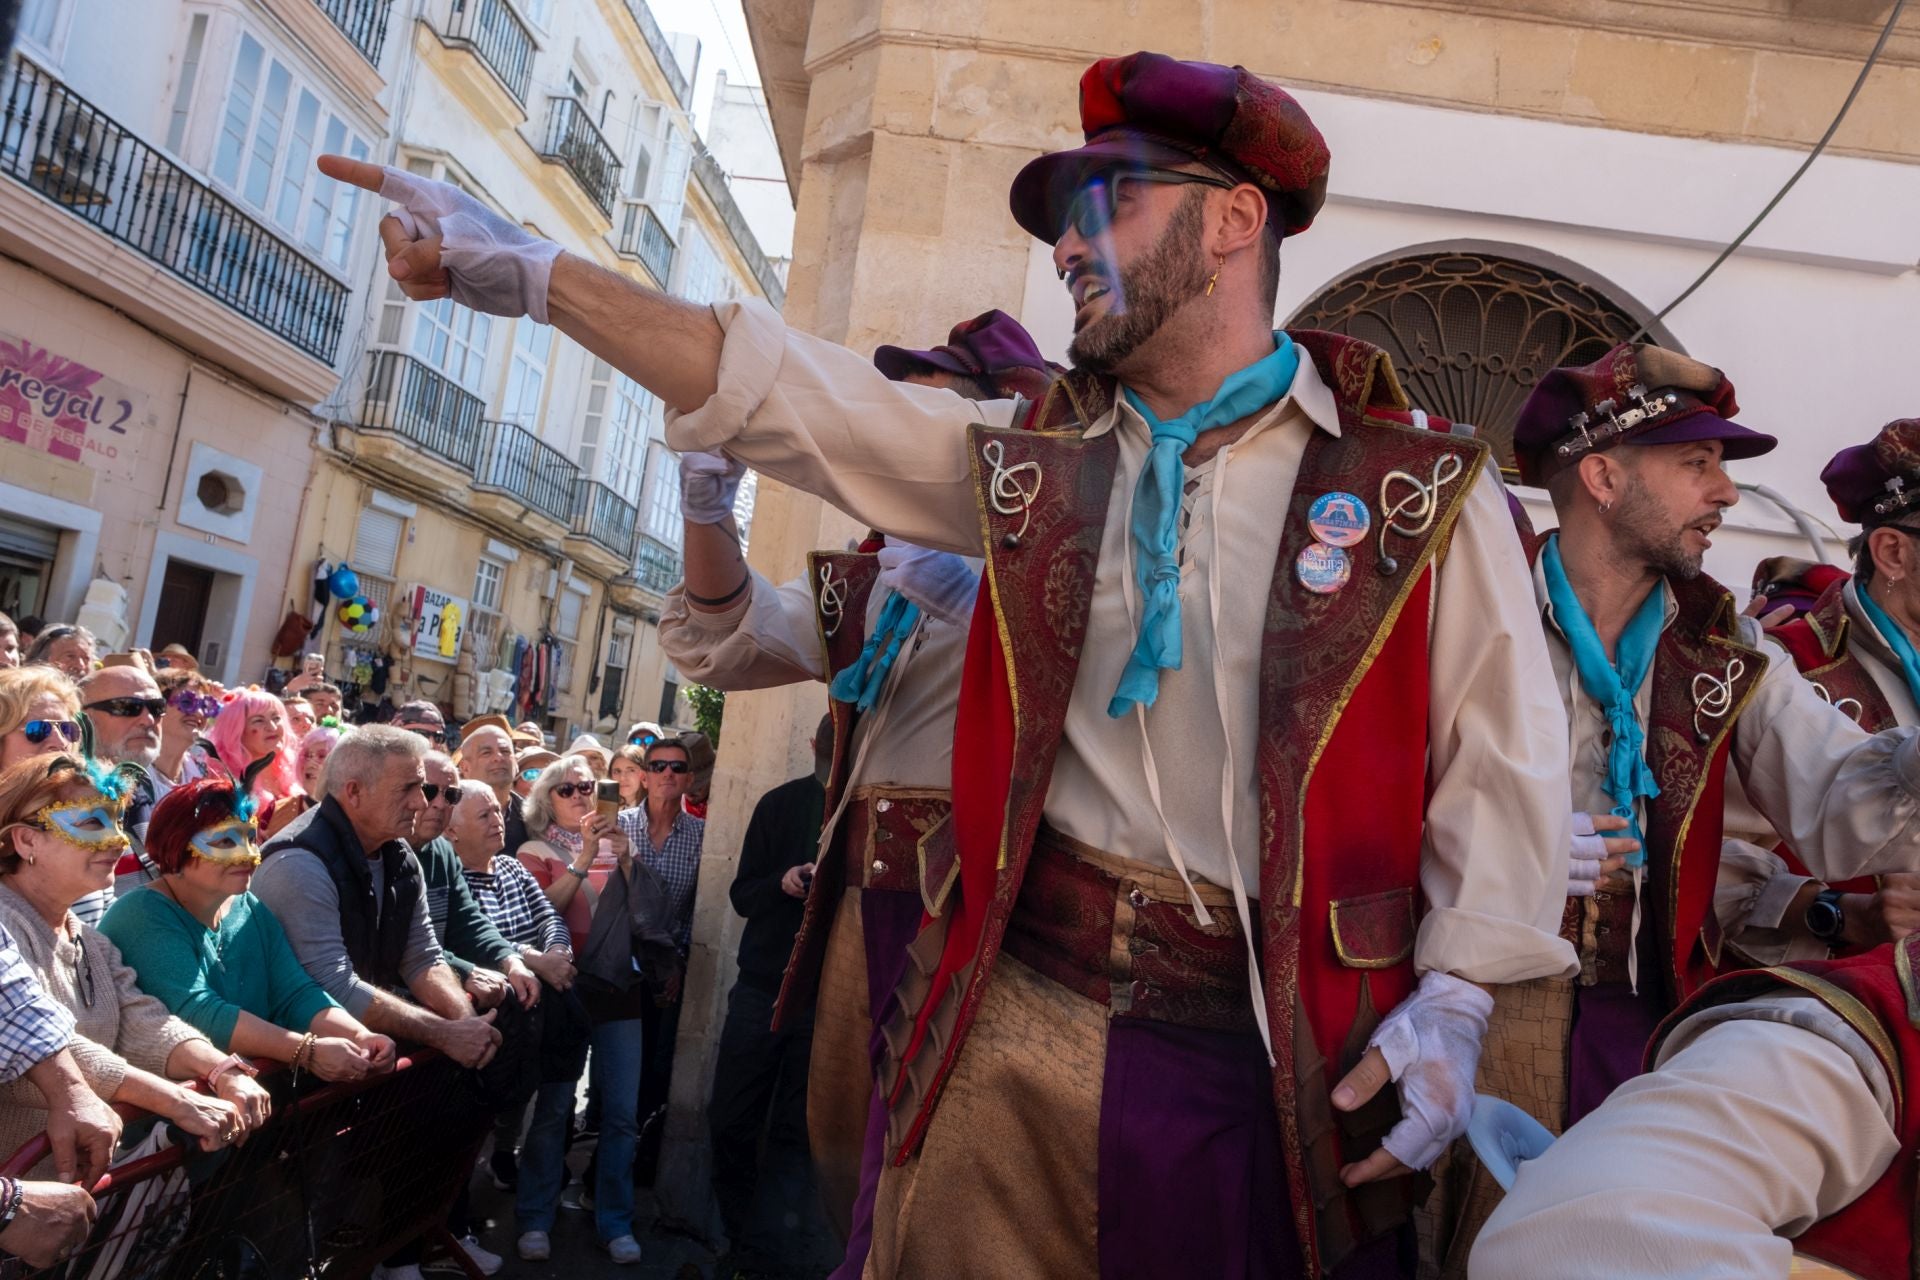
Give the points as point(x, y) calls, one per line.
point(1323, 570)
point(1339, 519)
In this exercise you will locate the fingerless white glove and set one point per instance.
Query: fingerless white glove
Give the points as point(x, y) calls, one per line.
point(709, 483)
point(941, 583)
point(1431, 1042)
point(492, 264)
point(1583, 862)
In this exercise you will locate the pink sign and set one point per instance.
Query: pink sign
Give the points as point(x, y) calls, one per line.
point(59, 406)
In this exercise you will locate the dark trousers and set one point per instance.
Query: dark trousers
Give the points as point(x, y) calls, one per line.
point(760, 1093)
point(662, 1026)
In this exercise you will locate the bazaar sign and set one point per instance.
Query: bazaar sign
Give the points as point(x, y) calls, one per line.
point(438, 621)
point(55, 405)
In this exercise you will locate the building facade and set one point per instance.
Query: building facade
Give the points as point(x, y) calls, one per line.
point(243, 394)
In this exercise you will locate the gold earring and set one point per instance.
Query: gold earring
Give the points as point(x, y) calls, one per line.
point(29, 858)
point(1220, 264)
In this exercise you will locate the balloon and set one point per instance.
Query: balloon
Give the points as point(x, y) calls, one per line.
point(359, 615)
point(344, 583)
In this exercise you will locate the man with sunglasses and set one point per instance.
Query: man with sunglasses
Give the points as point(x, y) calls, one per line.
point(1227, 553)
point(123, 707)
point(424, 718)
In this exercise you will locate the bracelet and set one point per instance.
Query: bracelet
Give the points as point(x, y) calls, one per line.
point(231, 1062)
point(11, 1197)
point(716, 601)
point(301, 1053)
point(575, 871)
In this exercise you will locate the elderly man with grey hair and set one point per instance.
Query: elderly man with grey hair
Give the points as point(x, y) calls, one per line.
point(348, 889)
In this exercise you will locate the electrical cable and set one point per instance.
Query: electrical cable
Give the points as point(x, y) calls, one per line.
point(1886, 33)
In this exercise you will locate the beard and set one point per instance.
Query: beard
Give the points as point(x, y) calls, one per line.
point(1645, 534)
point(1147, 293)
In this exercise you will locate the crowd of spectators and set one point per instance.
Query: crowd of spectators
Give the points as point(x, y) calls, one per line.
point(200, 883)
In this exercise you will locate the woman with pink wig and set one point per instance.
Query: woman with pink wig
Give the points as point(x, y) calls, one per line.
point(253, 724)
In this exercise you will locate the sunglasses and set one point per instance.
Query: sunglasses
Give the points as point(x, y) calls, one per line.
point(38, 731)
point(433, 791)
point(189, 703)
point(1091, 210)
point(642, 740)
point(128, 708)
point(666, 766)
point(528, 775)
point(568, 790)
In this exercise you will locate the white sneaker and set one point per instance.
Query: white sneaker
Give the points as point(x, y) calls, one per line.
point(535, 1247)
point(488, 1261)
point(624, 1250)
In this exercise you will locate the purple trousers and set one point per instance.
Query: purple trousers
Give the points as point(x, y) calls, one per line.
point(1611, 1027)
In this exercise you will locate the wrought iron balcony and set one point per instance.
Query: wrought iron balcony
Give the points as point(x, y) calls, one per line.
point(62, 146)
point(519, 463)
point(423, 407)
point(644, 236)
point(494, 31)
point(662, 50)
point(575, 141)
point(363, 21)
point(655, 567)
point(603, 517)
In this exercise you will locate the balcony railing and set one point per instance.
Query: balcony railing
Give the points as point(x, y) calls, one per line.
point(424, 407)
point(644, 236)
point(494, 31)
point(62, 146)
point(655, 567)
point(363, 21)
point(574, 140)
point(603, 517)
point(662, 50)
point(517, 462)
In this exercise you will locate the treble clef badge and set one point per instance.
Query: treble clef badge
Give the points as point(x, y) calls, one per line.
point(1413, 512)
point(1713, 696)
point(1008, 491)
point(1841, 704)
point(832, 601)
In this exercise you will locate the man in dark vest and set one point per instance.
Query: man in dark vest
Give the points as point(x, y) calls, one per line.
point(347, 888)
point(1258, 771)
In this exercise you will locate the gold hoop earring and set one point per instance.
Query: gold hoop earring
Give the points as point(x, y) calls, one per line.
point(1220, 264)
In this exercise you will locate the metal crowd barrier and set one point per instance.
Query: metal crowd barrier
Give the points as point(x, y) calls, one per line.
point(340, 1178)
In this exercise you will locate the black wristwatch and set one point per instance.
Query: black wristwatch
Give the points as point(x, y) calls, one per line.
point(1825, 919)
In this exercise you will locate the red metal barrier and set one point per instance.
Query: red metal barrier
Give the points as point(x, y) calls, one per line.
point(338, 1179)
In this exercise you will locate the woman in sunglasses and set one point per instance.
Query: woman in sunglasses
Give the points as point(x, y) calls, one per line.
point(252, 725)
point(39, 714)
point(60, 837)
point(191, 706)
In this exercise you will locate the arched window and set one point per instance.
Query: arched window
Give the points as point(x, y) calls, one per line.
point(1471, 331)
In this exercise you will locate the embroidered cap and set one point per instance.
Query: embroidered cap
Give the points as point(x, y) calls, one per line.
point(1876, 482)
point(992, 347)
point(1635, 394)
point(1149, 110)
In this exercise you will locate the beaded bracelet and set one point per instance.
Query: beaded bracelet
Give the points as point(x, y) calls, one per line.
point(300, 1054)
point(13, 1194)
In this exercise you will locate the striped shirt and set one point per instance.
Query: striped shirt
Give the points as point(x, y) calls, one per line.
point(511, 898)
point(33, 1025)
point(676, 862)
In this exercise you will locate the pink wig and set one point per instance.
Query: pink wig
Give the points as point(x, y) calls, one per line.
point(282, 777)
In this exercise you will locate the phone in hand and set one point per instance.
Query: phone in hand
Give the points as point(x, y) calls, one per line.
point(606, 798)
point(806, 878)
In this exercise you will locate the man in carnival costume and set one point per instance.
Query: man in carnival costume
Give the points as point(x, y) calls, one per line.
point(1150, 1032)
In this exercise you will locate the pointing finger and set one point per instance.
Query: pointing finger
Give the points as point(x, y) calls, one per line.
point(1366, 1079)
point(360, 173)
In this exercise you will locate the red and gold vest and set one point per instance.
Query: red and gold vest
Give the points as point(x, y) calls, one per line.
point(1342, 757)
point(1877, 995)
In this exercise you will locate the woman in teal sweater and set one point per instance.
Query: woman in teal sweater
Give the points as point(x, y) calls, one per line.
point(214, 955)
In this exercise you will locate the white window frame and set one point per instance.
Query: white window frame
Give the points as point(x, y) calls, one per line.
point(623, 445)
point(377, 581)
point(489, 593)
point(703, 273)
point(660, 512)
point(54, 43)
point(464, 336)
point(530, 357)
point(576, 592)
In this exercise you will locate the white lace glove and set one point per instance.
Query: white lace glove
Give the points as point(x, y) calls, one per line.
point(1431, 1042)
point(492, 264)
point(709, 483)
point(941, 583)
point(1583, 864)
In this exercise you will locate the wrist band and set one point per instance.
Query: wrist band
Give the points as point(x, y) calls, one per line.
point(231, 1062)
point(716, 601)
point(11, 1194)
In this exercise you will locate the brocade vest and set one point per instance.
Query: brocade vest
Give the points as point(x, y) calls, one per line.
point(1876, 994)
point(1342, 757)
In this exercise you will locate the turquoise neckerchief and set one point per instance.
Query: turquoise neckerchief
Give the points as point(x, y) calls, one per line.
point(1156, 514)
point(861, 681)
point(1612, 684)
point(1896, 637)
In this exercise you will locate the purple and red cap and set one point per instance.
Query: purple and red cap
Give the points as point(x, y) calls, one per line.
point(1149, 110)
point(1638, 394)
point(1877, 482)
point(992, 347)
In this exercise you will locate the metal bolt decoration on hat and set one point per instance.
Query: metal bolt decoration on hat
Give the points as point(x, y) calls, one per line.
point(1877, 482)
point(1637, 393)
point(1148, 110)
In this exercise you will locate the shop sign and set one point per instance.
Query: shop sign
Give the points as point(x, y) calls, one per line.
point(438, 620)
point(55, 405)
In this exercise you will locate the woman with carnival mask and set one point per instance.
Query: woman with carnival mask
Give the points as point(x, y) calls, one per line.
point(214, 954)
point(60, 837)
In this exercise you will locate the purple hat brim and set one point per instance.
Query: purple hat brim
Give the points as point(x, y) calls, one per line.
point(1042, 190)
point(1738, 441)
point(897, 362)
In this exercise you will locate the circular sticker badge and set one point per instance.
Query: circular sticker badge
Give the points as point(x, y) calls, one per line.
point(1323, 570)
point(1338, 519)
